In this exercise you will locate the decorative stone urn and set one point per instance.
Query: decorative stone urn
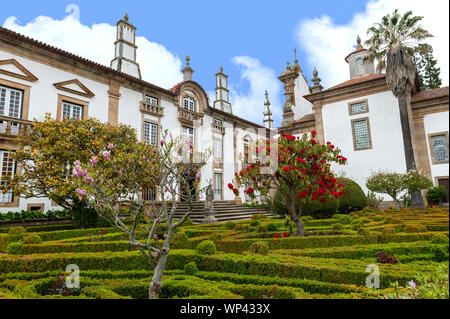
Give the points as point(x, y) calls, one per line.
point(209, 206)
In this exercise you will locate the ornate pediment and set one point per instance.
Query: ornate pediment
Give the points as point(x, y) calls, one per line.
point(75, 87)
point(13, 68)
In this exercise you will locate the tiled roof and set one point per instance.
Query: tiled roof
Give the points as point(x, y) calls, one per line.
point(358, 49)
point(430, 94)
point(306, 118)
point(177, 88)
point(76, 58)
point(354, 81)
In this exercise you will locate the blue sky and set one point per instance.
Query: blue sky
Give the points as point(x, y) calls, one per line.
point(250, 39)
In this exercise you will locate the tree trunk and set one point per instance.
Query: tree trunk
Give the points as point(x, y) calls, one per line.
point(156, 283)
point(295, 217)
point(416, 197)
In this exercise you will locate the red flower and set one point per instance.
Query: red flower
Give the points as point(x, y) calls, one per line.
point(230, 186)
point(323, 200)
point(303, 150)
point(313, 141)
point(303, 194)
point(314, 196)
point(285, 234)
point(277, 235)
point(313, 132)
point(235, 190)
point(286, 169)
point(250, 190)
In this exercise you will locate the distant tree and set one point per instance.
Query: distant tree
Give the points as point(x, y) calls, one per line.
point(393, 42)
point(385, 182)
point(428, 71)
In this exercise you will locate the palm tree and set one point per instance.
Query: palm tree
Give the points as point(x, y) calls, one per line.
point(392, 43)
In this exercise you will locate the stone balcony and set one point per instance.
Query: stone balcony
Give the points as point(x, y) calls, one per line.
point(188, 116)
point(218, 128)
point(152, 109)
point(11, 128)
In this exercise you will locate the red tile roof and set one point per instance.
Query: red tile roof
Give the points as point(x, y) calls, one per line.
point(430, 94)
point(76, 58)
point(354, 81)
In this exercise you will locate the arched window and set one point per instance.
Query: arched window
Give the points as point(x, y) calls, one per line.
point(189, 103)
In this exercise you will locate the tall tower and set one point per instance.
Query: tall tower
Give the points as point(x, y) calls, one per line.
point(268, 121)
point(222, 101)
point(288, 77)
point(125, 49)
point(359, 67)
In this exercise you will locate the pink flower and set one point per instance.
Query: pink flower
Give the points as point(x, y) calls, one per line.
point(198, 176)
point(161, 142)
point(110, 146)
point(155, 255)
point(155, 237)
point(89, 180)
point(165, 236)
point(81, 192)
point(94, 160)
point(106, 155)
point(77, 163)
point(412, 284)
point(78, 171)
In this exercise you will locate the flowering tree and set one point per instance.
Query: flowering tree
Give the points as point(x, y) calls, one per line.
point(113, 179)
point(46, 154)
point(303, 172)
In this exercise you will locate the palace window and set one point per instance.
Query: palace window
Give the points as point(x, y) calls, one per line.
point(151, 100)
point(149, 194)
point(188, 132)
point(10, 102)
point(358, 107)
point(439, 147)
point(189, 103)
point(151, 133)
point(6, 169)
point(218, 148)
point(360, 66)
point(72, 111)
point(217, 186)
point(218, 121)
point(361, 134)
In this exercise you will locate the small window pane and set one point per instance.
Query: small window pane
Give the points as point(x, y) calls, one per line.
point(151, 100)
point(189, 103)
point(149, 194)
point(440, 147)
point(218, 147)
point(218, 122)
point(217, 186)
point(361, 132)
point(358, 107)
point(151, 133)
point(6, 169)
point(72, 111)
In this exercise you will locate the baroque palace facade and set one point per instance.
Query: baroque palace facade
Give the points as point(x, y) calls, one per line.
point(360, 116)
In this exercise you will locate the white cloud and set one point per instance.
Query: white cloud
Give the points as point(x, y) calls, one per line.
point(249, 103)
point(326, 44)
point(158, 65)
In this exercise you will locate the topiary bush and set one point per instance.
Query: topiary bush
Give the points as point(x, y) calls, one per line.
point(439, 252)
point(262, 229)
point(415, 228)
point(343, 219)
point(206, 247)
point(255, 222)
point(272, 227)
point(260, 248)
point(354, 198)
point(238, 227)
point(191, 268)
point(439, 239)
point(363, 232)
point(229, 225)
point(309, 207)
point(338, 227)
point(32, 239)
point(181, 240)
point(16, 234)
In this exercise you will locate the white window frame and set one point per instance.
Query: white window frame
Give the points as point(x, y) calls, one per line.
point(6, 107)
point(218, 191)
point(73, 109)
point(151, 100)
point(189, 103)
point(151, 133)
point(218, 148)
point(218, 122)
point(7, 197)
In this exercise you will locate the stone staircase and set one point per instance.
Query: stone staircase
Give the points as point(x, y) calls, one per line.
point(223, 211)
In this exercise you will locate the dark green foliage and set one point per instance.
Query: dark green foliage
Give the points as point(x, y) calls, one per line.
point(439, 239)
point(440, 252)
point(255, 222)
point(260, 248)
point(338, 227)
point(206, 247)
point(27, 215)
point(190, 268)
point(427, 71)
point(435, 195)
point(272, 227)
point(31, 239)
point(84, 217)
point(354, 198)
point(229, 225)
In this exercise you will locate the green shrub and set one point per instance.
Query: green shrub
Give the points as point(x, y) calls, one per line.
point(14, 248)
point(373, 201)
point(261, 229)
point(439, 252)
point(191, 268)
point(229, 225)
point(16, 230)
point(435, 195)
point(306, 219)
point(188, 222)
point(31, 239)
point(354, 198)
point(272, 227)
point(439, 239)
point(238, 227)
point(338, 227)
point(415, 228)
point(312, 208)
point(260, 248)
point(388, 231)
point(343, 219)
point(255, 222)
point(206, 247)
point(363, 232)
point(181, 240)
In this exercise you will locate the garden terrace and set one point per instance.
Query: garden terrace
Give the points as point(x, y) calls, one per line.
point(326, 266)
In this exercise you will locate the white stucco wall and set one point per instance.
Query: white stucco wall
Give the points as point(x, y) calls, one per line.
point(436, 123)
point(302, 106)
point(387, 143)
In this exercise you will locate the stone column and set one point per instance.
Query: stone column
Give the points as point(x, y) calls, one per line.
point(319, 123)
point(113, 105)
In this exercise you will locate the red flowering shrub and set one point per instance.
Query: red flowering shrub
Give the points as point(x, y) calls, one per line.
point(285, 234)
point(303, 172)
point(385, 257)
point(277, 235)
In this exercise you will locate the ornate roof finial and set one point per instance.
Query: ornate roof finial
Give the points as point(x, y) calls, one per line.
point(316, 80)
point(295, 55)
point(358, 41)
point(288, 66)
point(125, 17)
point(188, 59)
point(221, 69)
